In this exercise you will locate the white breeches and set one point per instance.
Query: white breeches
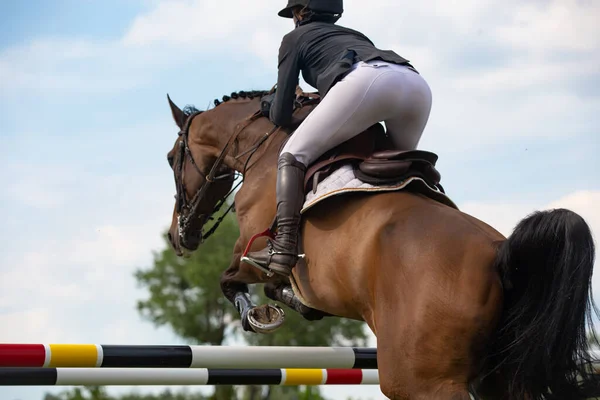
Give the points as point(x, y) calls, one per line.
point(372, 92)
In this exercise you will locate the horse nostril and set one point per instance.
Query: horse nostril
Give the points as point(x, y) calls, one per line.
point(170, 237)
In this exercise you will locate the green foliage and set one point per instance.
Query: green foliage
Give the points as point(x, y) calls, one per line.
point(96, 393)
point(84, 393)
point(282, 393)
point(273, 392)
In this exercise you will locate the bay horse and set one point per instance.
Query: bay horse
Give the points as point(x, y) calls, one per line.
point(457, 308)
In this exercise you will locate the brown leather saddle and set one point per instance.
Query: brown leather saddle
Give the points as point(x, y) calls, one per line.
point(372, 156)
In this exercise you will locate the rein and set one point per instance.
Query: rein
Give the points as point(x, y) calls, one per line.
point(192, 207)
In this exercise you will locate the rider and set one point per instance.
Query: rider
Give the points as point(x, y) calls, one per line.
point(359, 84)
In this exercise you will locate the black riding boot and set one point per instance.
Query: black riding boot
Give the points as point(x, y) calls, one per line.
point(281, 255)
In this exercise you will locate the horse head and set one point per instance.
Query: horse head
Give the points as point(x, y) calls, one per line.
point(202, 183)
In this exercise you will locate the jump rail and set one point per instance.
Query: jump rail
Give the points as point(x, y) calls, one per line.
point(93, 364)
point(179, 356)
point(178, 376)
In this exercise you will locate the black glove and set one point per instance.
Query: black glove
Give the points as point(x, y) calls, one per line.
point(265, 104)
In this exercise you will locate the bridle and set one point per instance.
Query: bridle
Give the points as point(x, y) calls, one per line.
point(189, 211)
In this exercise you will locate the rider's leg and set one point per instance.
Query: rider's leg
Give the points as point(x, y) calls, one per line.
point(407, 119)
point(372, 93)
point(282, 253)
point(367, 95)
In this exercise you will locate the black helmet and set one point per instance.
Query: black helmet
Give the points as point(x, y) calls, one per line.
point(318, 6)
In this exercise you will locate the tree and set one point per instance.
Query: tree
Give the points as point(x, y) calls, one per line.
point(96, 393)
point(85, 393)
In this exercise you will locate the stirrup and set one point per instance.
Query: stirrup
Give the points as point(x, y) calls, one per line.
point(250, 261)
point(269, 272)
point(268, 233)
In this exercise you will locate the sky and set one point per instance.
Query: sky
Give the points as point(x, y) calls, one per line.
point(85, 128)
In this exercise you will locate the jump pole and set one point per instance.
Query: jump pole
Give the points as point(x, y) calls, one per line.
point(183, 356)
point(178, 376)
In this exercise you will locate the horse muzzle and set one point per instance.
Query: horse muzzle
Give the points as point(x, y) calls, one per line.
point(191, 234)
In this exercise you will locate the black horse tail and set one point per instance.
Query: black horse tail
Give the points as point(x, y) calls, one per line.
point(541, 348)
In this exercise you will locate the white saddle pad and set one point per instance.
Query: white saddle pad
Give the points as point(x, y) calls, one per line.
point(343, 181)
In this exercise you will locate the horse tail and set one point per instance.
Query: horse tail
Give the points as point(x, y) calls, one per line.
point(541, 348)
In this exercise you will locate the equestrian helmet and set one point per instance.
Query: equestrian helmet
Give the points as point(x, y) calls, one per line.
point(318, 6)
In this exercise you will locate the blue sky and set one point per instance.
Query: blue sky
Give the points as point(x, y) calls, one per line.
point(85, 127)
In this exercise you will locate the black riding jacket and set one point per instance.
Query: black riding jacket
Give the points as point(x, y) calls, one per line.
point(324, 52)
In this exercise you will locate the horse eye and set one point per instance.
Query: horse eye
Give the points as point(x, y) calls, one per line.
point(170, 160)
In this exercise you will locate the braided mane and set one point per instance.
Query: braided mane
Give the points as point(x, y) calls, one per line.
point(242, 95)
point(190, 109)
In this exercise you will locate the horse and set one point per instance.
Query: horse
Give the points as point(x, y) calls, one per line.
point(457, 308)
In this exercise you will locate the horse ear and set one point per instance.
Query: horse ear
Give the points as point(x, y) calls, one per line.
point(178, 115)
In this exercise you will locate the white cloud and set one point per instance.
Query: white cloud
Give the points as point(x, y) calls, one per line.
point(465, 120)
point(505, 216)
point(40, 187)
point(74, 289)
point(532, 74)
point(554, 25)
point(74, 254)
point(199, 24)
point(265, 44)
point(31, 323)
point(69, 65)
point(78, 266)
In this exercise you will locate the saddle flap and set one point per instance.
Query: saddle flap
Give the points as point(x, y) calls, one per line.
point(395, 165)
point(385, 168)
point(405, 155)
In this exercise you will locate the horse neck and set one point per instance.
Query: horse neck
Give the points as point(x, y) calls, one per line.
point(232, 116)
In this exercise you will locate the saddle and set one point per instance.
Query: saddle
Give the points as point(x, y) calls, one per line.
point(372, 155)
